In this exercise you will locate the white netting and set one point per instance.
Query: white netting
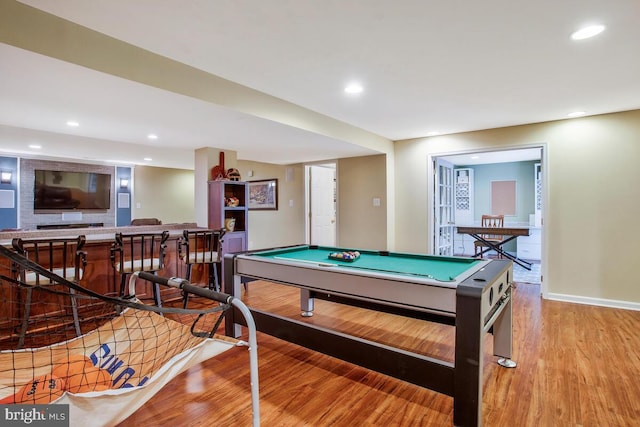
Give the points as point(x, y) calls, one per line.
point(127, 351)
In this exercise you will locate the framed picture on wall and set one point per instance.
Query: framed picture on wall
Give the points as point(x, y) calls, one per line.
point(263, 194)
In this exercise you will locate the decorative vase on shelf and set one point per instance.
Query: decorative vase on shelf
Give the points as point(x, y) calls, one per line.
point(230, 224)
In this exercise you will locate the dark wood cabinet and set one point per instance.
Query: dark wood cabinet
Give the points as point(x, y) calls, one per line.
point(228, 209)
point(228, 203)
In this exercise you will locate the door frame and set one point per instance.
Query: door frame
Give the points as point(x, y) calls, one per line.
point(431, 171)
point(307, 198)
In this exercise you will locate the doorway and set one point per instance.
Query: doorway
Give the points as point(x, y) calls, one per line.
point(478, 173)
point(321, 204)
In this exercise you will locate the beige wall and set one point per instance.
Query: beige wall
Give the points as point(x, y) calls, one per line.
point(163, 193)
point(168, 194)
point(285, 226)
point(360, 180)
point(361, 225)
point(592, 199)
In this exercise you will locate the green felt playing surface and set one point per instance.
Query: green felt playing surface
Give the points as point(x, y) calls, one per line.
point(437, 267)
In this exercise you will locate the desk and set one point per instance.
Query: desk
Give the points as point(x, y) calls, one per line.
point(474, 295)
point(510, 233)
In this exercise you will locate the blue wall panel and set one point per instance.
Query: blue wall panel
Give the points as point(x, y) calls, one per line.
point(9, 215)
point(123, 194)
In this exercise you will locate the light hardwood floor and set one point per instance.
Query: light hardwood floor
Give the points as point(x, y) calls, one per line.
point(578, 365)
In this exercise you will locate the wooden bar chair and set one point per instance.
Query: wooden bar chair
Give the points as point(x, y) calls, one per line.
point(136, 252)
point(146, 221)
point(490, 221)
point(61, 256)
point(202, 247)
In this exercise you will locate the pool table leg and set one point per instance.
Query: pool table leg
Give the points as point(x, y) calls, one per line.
point(502, 336)
point(470, 332)
point(306, 303)
point(237, 290)
point(467, 396)
point(232, 285)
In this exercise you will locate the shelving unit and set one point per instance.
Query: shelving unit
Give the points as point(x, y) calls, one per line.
point(537, 170)
point(219, 213)
point(463, 196)
point(530, 247)
point(464, 200)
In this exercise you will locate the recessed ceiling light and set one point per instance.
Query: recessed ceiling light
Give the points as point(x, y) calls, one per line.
point(576, 114)
point(152, 136)
point(35, 146)
point(354, 88)
point(147, 159)
point(73, 124)
point(587, 32)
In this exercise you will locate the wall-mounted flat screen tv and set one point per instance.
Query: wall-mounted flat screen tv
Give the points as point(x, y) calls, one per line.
point(62, 190)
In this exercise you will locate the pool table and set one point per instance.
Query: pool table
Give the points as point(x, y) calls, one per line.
point(473, 295)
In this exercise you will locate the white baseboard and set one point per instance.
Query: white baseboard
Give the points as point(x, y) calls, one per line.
point(627, 305)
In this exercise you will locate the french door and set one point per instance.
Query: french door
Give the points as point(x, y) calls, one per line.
point(444, 215)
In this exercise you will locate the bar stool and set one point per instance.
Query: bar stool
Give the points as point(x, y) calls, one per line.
point(61, 256)
point(146, 221)
point(202, 247)
point(136, 252)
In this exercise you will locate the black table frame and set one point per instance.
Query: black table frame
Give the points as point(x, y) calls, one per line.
point(512, 233)
point(483, 304)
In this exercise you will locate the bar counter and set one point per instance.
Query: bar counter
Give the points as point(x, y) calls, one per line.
point(99, 274)
point(94, 233)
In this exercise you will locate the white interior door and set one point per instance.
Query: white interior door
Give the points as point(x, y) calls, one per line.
point(444, 215)
point(322, 205)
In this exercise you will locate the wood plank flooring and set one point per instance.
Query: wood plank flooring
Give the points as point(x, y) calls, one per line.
point(578, 365)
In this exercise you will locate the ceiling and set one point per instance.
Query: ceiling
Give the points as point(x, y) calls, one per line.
point(426, 66)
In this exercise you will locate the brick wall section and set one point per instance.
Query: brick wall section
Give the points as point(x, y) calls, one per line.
point(29, 220)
